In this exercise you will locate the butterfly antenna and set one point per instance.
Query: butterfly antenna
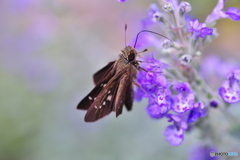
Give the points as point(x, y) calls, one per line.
point(150, 32)
point(125, 33)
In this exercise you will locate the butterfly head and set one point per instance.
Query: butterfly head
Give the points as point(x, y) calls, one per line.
point(129, 53)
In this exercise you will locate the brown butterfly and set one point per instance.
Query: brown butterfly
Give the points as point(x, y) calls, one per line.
point(114, 85)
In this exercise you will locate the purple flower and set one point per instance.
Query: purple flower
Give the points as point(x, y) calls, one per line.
point(205, 31)
point(230, 89)
point(195, 25)
point(163, 96)
point(178, 120)
point(202, 153)
point(198, 111)
point(151, 80)
point(121, 1)
point(217, 12)
point(159, 104)
point(156, 111)
point(233, 13)
point(184, 100)
point(199, 29)
point(166, 94)
point(175, 133)
point(153, 85)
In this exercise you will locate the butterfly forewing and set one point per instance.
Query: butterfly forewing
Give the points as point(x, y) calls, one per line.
point(97, 77)
point(105, 101)
point(91, 97)
point(103, 106)
point(100, 79)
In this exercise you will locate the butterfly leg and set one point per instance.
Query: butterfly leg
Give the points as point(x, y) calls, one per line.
point(135, 83)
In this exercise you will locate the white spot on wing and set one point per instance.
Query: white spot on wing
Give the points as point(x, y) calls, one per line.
point(104, 102)
point(109, 98)
point(100, 107)
point(109, 92)
point(94, 98)
point(90, 98)
point(95, 107)
point(104, 85)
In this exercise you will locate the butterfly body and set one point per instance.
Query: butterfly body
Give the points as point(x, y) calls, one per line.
point(114, 87)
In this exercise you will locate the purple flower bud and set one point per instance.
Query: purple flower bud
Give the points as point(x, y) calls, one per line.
point(185, 7)
point(157, 16)
point(168, 7)
point(153, 8)
point(167, 44)
point(154, 15)
point(185, 59)
point(213, 104)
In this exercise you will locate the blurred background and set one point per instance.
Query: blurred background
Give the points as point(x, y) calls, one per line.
point(49, 50)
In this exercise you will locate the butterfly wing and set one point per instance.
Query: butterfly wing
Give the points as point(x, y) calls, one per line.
point(108, 73)
point(97, 77)
point(108, 99)
point(129, 97)
point(103, 106)
point(121, 94)
point(89, 99)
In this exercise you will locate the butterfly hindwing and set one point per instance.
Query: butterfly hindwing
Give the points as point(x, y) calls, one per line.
point(121, 94)
point(129, 97)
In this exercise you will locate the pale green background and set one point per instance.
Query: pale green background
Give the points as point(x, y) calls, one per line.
point(49, 51)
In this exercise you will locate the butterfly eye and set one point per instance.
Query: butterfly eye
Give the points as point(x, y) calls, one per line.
point(131, 56)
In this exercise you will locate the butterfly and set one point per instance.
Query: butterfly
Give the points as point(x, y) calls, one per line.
point(114, 85)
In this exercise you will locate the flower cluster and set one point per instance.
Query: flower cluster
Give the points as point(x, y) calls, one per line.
point(175, 89)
